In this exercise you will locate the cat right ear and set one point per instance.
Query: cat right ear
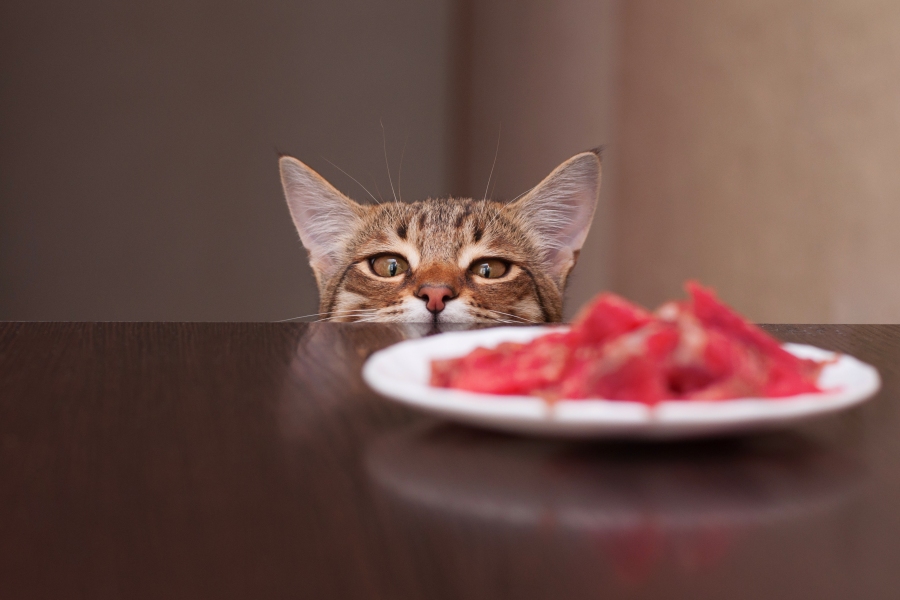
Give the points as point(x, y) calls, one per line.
point(324, 217)
point(559, 211)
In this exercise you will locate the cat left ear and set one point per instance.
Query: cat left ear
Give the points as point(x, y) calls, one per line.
point(323, 216)
point(559, 210)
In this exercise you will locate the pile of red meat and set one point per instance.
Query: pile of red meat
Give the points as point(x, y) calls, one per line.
point(698, 349)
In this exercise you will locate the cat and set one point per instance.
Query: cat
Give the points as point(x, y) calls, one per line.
point(447, 260)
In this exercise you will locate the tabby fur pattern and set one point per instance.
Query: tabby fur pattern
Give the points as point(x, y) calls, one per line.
point(538, 237)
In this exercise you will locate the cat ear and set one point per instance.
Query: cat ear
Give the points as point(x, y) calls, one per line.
point(558, 211)
point(324, 217)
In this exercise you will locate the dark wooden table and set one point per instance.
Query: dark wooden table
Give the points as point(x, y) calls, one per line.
point(250, 461)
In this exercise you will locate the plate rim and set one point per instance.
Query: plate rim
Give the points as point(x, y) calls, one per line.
point(528, 414)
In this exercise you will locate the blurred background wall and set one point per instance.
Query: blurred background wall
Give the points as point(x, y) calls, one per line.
point(759, 146)
point(540, 78)
point(749, 144)
point(138, 145)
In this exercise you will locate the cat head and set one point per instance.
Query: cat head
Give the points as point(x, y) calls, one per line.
point(449, 260)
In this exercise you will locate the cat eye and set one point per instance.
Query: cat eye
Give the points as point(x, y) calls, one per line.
point(389, 265)
point(489, 268)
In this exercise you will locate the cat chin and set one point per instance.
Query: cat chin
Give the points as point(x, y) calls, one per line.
point(456, 312)
point(440, 320)
point(417, 330)
point(414, 311)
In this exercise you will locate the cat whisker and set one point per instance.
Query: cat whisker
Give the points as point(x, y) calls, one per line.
point(336, 320)
point(351, 315)
point(323, 313)
point(353, 178)
point(370, 315)
point(376, 186)
point(489, 318)
point(400, 171)
point(520, 195)
point(496, 152)
point(499, 312)
point(369, 319)
point(497, 213)
point(386, 163)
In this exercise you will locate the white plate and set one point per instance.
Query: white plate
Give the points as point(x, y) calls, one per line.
point(401, 372)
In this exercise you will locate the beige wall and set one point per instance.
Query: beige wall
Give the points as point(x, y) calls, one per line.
point(752, 145)
point(759, 152)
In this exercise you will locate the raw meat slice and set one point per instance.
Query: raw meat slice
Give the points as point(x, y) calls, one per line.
point(698, 349)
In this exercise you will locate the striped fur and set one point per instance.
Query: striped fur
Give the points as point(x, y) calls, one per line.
point(539, 235)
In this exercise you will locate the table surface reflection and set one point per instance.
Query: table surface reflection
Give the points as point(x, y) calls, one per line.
point(152, 460)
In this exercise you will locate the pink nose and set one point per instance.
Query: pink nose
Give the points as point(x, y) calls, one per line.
point(435, 296)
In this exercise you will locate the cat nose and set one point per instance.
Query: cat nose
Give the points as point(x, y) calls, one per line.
point(435, 296)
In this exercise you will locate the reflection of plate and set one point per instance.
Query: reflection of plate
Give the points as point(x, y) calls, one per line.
point(615, 516)
point(401, 372)
point(525, 483)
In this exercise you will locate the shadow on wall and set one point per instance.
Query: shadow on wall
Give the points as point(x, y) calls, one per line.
point(751, 146)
